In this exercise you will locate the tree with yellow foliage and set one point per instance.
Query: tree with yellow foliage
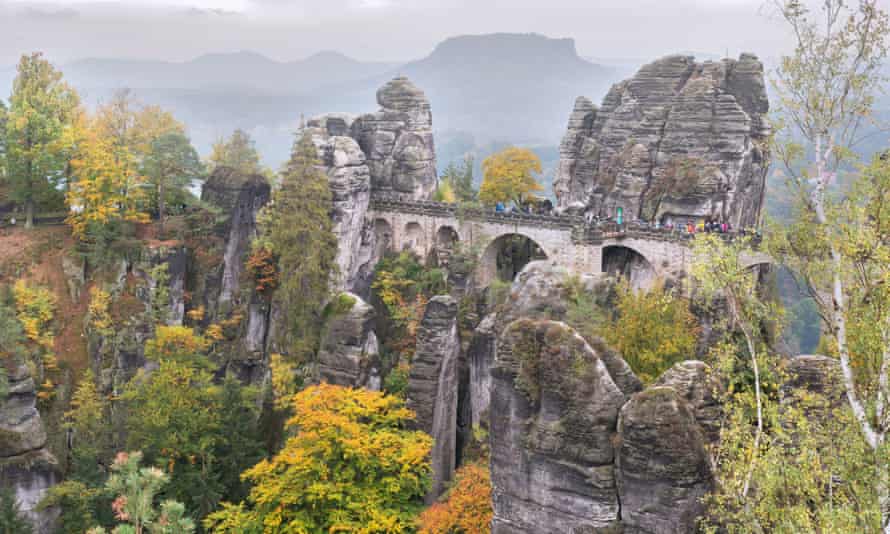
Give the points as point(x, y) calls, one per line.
point(508, 176)
point(350, 466)
point(653, 330)
point(106, 186)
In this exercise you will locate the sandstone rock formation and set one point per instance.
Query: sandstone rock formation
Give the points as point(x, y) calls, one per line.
point(694, 383)
point(349, 352)
point(662, 466)
point(398, 141)
point(240, 198)
point(390, 152)
point(480, 357)
point(219, 287)
point(350, 181)
point(678, 140)
point(26, 465)
point(553, 411)
point(433, 388)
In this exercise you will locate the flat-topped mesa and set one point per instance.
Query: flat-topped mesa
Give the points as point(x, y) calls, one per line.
point(679, 140)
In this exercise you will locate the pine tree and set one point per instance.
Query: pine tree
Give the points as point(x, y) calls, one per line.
point(296, 228)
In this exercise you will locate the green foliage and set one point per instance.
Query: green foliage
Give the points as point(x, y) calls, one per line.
point(653, 330)
point(803, 482)
point(82, 506)
point(137, 490)
point(238, 152)
point(160, 294)
point(171, 165)
point(404, 286)
point(241, 446)
point(90, 432)
point(12, 520)
point(201, 433)
point(296, 228)
point(339, 305)
point(12, 337)
point(174, 419)
point(41, 110)
point(396, 382)
point(460, 180)
point(349, 466)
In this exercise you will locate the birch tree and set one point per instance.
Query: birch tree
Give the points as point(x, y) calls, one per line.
point(837, 244)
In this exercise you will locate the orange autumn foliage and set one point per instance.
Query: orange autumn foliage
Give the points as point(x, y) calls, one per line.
point(465, 508)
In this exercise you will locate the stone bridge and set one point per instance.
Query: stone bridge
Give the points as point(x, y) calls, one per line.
point(643, 255)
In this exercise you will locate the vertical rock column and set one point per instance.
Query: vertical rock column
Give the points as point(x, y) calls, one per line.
point(432, 386)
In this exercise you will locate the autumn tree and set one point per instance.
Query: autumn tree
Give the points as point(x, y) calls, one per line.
point(349, 466)
point(837, 243)
point(238, 152)
point(465, 507)
point(653, 330)
point(296, 229)
point(508, 176)
point(106, 187)
point(40, 110)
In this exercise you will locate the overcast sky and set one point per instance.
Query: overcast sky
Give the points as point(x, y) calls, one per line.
point(386, 30)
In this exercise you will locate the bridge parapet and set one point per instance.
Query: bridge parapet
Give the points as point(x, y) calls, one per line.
point(444, 209)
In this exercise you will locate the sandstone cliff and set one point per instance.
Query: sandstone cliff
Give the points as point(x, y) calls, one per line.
point(433, 386)
point(26, 465)
point(678, 140)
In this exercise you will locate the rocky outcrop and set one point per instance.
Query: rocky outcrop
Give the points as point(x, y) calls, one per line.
point(350, 181)
point(26, 465)
point(694, 383)
point(553, 413)
point(678, 140)
point(433, 387)
point(398, 141)
point(662, 466)
point(219, 265)
point(480, 357)
point(349, 352)
point(240, 198)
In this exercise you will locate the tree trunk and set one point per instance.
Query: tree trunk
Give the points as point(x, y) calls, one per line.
point(883, 487)
point(161, 204)
point(29, 213)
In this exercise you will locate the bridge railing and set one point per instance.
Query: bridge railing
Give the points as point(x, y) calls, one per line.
point(583, 231)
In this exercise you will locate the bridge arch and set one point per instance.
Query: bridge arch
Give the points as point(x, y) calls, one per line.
point(629, 263)
point(384, 238)
point(414, 239)
point(505, 256)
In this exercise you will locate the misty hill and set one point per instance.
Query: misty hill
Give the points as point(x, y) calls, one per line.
point(511, 87)
point(485, 90)
point(239, 70)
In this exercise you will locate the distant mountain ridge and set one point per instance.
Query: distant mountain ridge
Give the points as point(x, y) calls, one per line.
point(244, 69)
point(485, 90)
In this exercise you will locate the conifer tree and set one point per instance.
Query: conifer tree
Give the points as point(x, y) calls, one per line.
point(41, 108)
point(296, 228)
